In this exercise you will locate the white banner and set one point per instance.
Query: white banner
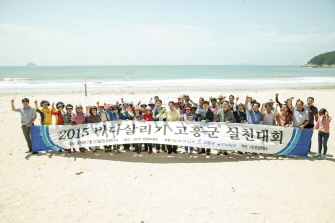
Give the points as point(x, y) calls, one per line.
point(216, 135)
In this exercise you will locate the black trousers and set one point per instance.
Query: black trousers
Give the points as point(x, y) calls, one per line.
point(172, 148)
point(138, 147)
point(26, 133)
point(310, 126)
point(148, 145)
point(207, 150)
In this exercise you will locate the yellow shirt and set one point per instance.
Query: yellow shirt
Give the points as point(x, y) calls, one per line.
point(171, 116)
point(46, 117)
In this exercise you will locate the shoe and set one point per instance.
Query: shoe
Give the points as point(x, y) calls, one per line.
point(158, 151)
point(201, 152)
point(239, 152)
point(74, 150)
point(68, 150)
point(106, 150)
point(60, 151)
point(127, 150)
point(185, 151)
point(134, 150)
point(34, 152)
point(322, 157)
point(164, 150)
point(219, 152)
point(225, 152)
point(27, 151)
point(175, 152)
point(149, 152)
point(208, 153)
point(139, 151)
point(169, 152)
point(317, 155)
point(198, 149)
point(118, 151)
point(191, 151)
point(82, 150)
point(145, 150)
point(90, 148)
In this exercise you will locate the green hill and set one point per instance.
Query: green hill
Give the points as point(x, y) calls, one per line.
point(323, 60)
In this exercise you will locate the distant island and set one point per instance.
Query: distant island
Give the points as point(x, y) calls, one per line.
point(31, 65)
point(326, 60)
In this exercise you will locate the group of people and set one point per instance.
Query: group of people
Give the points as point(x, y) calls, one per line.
point(249, 111)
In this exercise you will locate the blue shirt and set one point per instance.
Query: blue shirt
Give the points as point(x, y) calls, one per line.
point(27, 114)
point(254, 117)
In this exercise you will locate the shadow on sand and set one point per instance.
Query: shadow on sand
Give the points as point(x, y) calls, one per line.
point(144, 157)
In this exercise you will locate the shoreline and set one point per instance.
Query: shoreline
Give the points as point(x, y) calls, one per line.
point(168, 89)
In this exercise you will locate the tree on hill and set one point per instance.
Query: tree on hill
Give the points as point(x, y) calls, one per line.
point(324, 59)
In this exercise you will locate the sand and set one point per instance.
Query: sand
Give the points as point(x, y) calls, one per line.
point(158, 187)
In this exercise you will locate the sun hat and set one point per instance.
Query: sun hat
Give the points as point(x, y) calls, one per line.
point(220, 96)
point(187, 108)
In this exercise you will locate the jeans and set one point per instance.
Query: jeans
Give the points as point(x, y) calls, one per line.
point(26, 133)
point(186, 148)
point(323, 139)
point(310, 126)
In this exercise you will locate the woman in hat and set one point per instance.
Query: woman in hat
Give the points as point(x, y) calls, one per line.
point(78, 118)
point(93, 117)
point(137, 117)
point(59, 114)
point(67, 120)
point(148, 118)
point(45, 112)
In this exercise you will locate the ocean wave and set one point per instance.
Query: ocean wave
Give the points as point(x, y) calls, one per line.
point(15, 79)
point(171, 83)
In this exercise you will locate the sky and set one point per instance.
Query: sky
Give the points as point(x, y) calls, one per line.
point(159, 32)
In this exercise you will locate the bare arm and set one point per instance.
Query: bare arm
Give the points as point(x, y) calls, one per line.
point(247, 103)
point(13, 107)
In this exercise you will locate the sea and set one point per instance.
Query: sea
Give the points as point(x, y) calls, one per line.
point(164, 78)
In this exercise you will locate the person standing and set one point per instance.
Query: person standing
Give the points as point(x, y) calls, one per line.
point(157, 116)
point(269, 116)
point(284, 118)
point(285, 103)
point(171, 115)
point(205, 115)
point(239, 113)
point(313, 115)
point(300, 115)
point(322, 125)
point(252, 109)
point(28, 117)
point(214, 109)
point(224, 115)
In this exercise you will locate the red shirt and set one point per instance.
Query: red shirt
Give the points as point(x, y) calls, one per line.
point(59, 117)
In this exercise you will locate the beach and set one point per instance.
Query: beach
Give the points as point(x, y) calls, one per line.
point(130, 187)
